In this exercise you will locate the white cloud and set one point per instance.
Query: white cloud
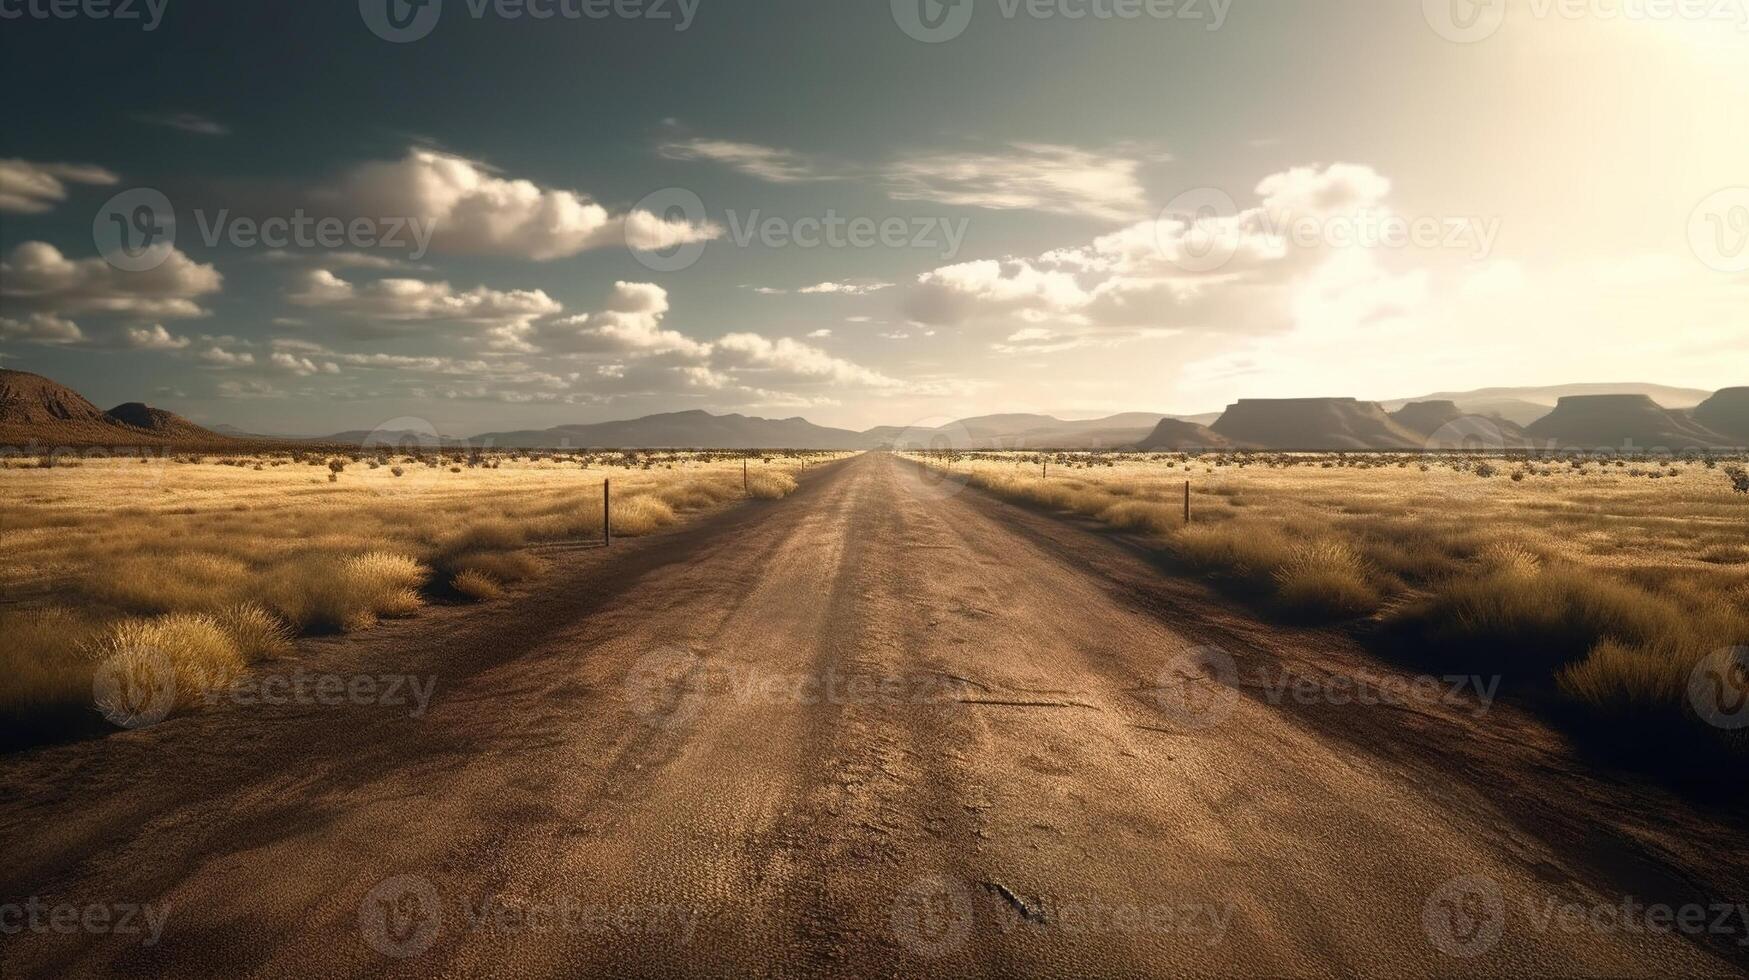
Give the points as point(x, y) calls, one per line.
point(396, 302)
point(154, 337)
point(248, 389)
point(820, 334)
point(474, 211)
point(37, 276)
point(791, 360)
point(41, 328)
point(301, 366)
point(1158, 275)
point(33, 188)
point(851, 287)
point(631, 324)
point(764, 162)
point(1045, 177)
point(1025, 176)
point(341, 259)
point(220, 357)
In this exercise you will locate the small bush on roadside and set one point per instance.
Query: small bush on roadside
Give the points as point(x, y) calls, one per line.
point(476, 585)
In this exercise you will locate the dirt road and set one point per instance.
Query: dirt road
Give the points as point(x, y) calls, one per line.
point(882, 727)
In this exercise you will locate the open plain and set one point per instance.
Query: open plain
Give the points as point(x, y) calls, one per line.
point(884, 725)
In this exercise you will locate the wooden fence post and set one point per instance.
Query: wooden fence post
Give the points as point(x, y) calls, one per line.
point(1187, 503)
point(606, 513)
point(745, 488)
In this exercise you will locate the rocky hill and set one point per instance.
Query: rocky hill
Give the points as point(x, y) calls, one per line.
point(1177, 435)
point(37, 411)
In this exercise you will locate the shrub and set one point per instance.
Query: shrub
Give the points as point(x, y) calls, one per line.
point(1325, 578)
point(195, 647)
point(314, 593)
point(770, 486)
point(258, 633)
point(476, 585)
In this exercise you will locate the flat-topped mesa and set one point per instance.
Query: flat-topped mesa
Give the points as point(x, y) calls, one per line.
point(1314, 424)
point(1627, 423)
point(1727, 413)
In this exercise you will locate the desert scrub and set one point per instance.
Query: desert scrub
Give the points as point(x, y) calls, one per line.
point(322, 594)
point(1324, 578)
point(1586, 577)
point(195, 648)
point(476, 585)
point(268, 553)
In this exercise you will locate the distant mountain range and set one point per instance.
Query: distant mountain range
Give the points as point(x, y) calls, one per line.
point(1525, 405)
point(1624, 416)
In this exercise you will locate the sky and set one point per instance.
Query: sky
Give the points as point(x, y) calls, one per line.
point(301, 217)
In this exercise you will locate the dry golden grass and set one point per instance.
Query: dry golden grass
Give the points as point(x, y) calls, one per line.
point(257, 549)
point(1607, 580)
point(476, 585)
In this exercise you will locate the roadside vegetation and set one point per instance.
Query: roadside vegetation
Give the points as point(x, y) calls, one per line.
point(1599, 583)
point(216, 562)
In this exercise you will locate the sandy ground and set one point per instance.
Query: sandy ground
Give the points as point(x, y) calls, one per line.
point(885, 726)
